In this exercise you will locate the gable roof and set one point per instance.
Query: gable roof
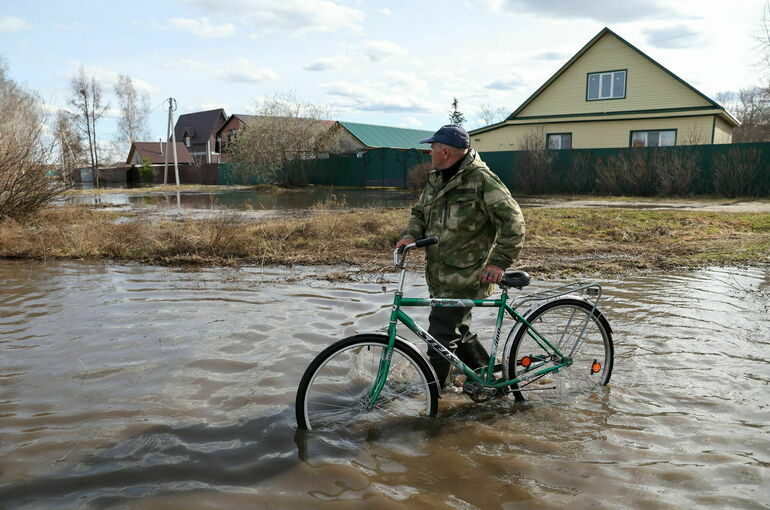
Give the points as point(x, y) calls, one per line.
point(729, 118)
point(199, 125)
point(156, 152)
point(374, 136)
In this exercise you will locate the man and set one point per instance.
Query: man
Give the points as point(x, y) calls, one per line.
point(480, 230)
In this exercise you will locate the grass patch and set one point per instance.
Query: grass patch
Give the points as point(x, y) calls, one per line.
point(560, 241)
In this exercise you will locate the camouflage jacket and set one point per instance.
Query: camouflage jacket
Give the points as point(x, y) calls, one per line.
point(477, 223)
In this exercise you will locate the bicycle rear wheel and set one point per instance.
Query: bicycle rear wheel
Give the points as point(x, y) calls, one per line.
point(333, 391)
point(564, 322)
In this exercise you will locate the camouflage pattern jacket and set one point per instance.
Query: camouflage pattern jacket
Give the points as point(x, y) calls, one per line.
point(477, 223)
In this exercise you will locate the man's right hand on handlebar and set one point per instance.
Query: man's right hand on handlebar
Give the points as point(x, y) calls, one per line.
point(404, 242)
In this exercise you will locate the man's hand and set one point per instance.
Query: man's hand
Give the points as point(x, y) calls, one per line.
point(404, 242)
point(492, 274)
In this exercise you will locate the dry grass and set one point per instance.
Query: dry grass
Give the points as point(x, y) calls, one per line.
point(559, 241)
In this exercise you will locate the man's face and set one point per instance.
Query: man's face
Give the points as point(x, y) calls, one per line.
point(439, 155)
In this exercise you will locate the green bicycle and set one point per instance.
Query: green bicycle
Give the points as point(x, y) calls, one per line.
point(559, 346)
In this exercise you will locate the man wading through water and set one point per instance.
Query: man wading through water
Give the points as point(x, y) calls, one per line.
point(480, 230)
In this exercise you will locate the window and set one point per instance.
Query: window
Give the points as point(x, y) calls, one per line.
point(559, 141)
point(187, 140)
point(218, 144)
point(662, 138)
point(606, 85)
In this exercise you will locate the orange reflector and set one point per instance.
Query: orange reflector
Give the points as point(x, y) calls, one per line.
point(526, 361)
point(596, 367)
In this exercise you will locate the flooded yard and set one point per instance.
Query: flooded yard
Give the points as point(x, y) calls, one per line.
point(131, 386)
point(239, 199)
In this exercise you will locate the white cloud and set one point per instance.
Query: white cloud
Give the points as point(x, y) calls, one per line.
point(199, 27)
point(326, 64)
point(673, 37)
point(188, 64)
point(599, 10)
point(107, 78)
point(385, 11)
point(402, 80)
point(410, 122)
point(505, 83)
point(290, 15)
point(13, 24)
point(378, 96)
point(382, 50)
point(245, 72)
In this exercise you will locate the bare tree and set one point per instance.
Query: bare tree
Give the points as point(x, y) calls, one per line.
point(488, 115)
point(763, 36)
point(69, 141)
point(134, 110)
point(86, 100)
point(25, 153)
point(753, 110)
point(280, 140)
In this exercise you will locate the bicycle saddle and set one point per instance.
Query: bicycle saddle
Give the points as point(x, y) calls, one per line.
point(516, 279)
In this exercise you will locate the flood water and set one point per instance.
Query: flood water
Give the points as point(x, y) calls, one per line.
point(244, 199)
point(128, 386)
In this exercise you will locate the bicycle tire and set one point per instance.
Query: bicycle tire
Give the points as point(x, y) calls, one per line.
point(332, 390)
point(560, 321)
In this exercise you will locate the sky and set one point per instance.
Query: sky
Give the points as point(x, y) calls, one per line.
point(397, 63)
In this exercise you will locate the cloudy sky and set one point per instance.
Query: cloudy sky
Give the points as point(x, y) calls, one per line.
point(396, 63)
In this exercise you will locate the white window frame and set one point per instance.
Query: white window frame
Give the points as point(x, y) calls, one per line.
point(643, 135)
point(604, 76)
point(561, 141)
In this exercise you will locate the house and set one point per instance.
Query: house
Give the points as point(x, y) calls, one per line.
point(357, 138)
point(343, 138)
point(197, 131)
point(610, 94)
point(229, 130)
point(157, 154)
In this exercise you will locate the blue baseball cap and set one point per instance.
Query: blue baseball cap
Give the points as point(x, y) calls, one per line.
point(451, 134)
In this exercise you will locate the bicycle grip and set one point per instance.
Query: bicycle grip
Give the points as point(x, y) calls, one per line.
point(426, 242)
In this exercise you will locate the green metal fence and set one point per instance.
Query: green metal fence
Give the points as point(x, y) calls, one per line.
point(728, 169)
point(725, 169)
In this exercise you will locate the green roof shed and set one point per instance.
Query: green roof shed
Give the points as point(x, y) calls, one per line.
point(374, 136)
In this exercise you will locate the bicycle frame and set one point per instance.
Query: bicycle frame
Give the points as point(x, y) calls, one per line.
point(486, 376)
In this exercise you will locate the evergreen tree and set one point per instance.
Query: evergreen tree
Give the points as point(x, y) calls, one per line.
point(455, 115)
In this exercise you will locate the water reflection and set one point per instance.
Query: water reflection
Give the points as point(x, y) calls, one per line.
point(147, 387)
point(245, 199)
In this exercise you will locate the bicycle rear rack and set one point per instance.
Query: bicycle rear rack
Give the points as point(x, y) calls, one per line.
point(593, 290)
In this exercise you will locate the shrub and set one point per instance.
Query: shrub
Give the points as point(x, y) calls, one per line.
point(146, 172)
point(25, 154)
point(676, 171)
point(417, 176)
point(737, 173)
point(533, 170)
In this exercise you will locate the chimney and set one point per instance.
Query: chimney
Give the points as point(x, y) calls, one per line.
point(160, 143)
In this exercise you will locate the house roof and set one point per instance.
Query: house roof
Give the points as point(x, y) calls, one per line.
point(155, 152)
point(199, 125)
point(386, 136)
point(515, 115)
point(246, 119)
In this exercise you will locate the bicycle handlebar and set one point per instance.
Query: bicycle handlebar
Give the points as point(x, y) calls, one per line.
point(428, 241)
point(402, 250)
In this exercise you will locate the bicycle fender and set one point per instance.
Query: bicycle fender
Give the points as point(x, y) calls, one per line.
point(406, 343)
point(529, 311)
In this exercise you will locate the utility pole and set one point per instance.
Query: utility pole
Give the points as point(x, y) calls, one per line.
point(170, 133)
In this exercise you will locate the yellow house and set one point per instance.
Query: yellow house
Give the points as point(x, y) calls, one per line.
point(610, 94)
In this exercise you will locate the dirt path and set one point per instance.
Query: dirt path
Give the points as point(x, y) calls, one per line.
point(713, 205)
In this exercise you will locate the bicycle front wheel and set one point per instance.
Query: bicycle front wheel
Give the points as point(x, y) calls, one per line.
point(565, 323)
point(333, 391)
